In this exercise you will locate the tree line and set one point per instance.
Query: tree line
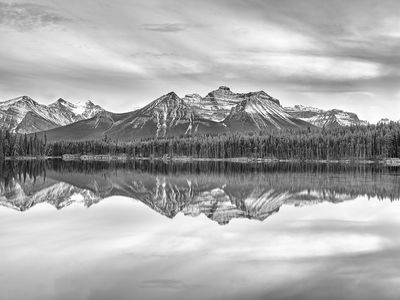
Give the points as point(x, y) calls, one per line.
point(356, 142)
point(18, 145)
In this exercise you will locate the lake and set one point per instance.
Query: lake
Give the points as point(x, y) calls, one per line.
point(201, 230)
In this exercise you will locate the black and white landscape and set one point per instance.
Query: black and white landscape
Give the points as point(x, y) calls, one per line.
point(223, 149)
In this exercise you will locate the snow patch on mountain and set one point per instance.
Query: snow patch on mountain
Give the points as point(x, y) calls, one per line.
point(324, 118)
point(259, 111)
point(24, 115)
point(217, 105)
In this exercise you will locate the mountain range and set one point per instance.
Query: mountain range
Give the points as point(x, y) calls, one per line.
point(24, 115)
point(219, 111)
point(325, 118)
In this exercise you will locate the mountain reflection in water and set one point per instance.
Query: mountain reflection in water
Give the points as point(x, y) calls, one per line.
point(220, 190)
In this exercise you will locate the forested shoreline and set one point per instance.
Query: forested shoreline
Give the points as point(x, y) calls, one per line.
point(373, 142)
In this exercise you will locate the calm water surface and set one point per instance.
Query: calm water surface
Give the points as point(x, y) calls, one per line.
point(146, 230)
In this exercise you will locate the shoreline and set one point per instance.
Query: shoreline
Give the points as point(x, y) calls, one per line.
point(73, 157)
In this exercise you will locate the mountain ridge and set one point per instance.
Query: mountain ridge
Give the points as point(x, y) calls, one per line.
point(220, 111)
point(325, 118)
point(25, 115)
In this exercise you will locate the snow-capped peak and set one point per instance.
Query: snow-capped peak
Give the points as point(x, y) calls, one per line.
point(87, 109)
point(259, 111)
point(217, 104)
point(303, 108)
point(22, 100)
point(59, 113)
point(323, 118)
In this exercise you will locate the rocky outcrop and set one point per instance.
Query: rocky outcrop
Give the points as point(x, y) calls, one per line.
point(259, 111)
point(324, 118)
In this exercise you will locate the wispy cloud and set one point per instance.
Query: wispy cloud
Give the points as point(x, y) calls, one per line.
point(163, 283)
point(27, 16)
point(166, 27)
point(153, 54)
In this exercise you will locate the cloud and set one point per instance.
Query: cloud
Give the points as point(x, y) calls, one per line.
point(306, 66)
point(163, 283)
point(147, 48)
point(166, 27)
point(27, 16)
point(153, 54)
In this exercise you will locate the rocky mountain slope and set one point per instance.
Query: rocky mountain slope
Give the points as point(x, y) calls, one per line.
point(168, 115)
point(259, 111)
point(24, 115)
point(219, 111)
point(324, 118)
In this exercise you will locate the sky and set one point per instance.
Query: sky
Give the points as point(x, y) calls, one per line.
point(122, 54)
